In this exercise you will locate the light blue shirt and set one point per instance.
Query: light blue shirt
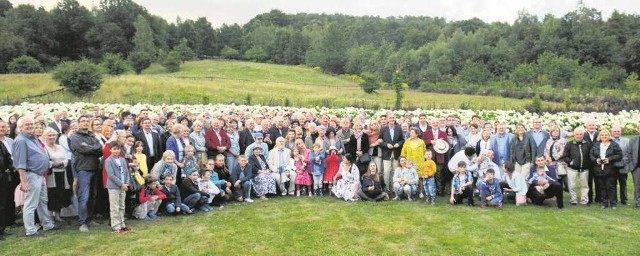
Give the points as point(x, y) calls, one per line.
point(502, 140)
point(538, 136)
point(149, 137)
point(29, 155)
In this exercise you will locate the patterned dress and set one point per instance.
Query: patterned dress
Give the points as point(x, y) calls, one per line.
point(344, 187)
point(264, 183)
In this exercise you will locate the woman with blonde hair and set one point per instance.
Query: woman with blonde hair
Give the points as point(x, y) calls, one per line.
point(59, 178)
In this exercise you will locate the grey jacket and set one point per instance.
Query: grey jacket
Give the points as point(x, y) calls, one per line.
point(116, 175)
point(631, 154)
point(620, 165)
point(85, 158)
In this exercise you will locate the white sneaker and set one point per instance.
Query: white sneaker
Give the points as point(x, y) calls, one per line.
point(84, 228)
point(249, 200)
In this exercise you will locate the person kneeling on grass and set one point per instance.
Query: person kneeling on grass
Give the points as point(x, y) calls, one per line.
point(150, 199)
point(405, 179)
point(117, 184)
point(173, 203)
point(461, 185)
point(490, 191)
point(542, 186)
point(191, 194)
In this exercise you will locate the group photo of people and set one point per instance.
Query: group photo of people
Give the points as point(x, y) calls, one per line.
point(104, 169)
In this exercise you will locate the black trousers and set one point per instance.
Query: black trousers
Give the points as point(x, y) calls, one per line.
point(442, 178)
point(554, 190)
point(622, 180)
point(607, 185)
point(467, 193)
point(593, 187)
point(7, 205)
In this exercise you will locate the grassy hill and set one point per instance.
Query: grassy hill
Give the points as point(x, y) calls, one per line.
point(221, 81)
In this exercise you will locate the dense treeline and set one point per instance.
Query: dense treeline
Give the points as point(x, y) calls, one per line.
point(580, 52)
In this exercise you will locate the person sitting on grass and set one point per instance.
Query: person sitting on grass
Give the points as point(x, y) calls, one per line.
point(117, 185)
point(347, 180)
point(206, 186)
point(371, 189)
point(191, 194)
point(150, 199)
point(461, 185)
point(173, 203)
point(405, 179)
point(490, 191)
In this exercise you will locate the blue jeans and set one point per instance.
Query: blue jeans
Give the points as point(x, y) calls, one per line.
point(483, 199)
point(192, 200)
point(405, 190)
point(36, 201)
point(231, 162)
point(86, 194)
point(171, 208)
point(246, 189)
point(429, 185)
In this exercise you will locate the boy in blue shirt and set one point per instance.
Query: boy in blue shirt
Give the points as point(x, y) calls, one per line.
point(490, 191)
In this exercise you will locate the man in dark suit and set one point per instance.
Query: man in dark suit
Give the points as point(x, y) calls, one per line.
point(429, 137)
point(632, 156)
point(391, 146)
point(151, 142)
point(246, 136)
point(278, 130)
point(592, 136)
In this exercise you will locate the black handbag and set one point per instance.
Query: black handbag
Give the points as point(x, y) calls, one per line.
point(364, 158)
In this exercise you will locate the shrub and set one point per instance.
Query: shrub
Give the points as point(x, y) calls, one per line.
point(256, 53)
point(25, 64)
point(140, 60)
point(230, 53)
point(78, 77)
point(114, 64)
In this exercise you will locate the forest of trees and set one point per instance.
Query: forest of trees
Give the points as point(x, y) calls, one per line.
point(580, 52)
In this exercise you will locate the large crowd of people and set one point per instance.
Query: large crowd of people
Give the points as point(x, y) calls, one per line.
point(110, 167)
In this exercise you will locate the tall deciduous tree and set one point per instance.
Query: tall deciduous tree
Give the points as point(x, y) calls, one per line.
point(72, 22)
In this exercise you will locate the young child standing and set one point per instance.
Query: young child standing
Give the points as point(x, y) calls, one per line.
point(139, 156)
point(317, 167)
point(302, 177)
point(150, 199)
point(190, 161)
point(427, 177)
point(117, 185)
point(333, 164)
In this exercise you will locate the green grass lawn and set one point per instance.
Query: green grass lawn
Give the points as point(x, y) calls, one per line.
point(219, 81)
point(328, 226)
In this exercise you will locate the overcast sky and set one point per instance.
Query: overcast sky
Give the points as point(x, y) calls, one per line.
point(219, 12)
